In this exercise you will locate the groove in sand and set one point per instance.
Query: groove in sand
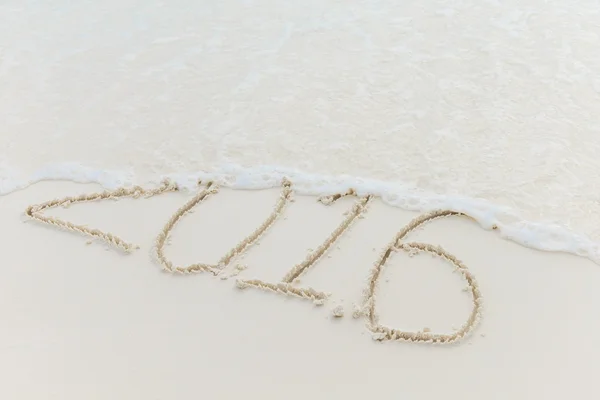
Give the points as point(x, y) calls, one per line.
point(35, 211)
point(244, 245)
point(381, 332)
point(286, 285)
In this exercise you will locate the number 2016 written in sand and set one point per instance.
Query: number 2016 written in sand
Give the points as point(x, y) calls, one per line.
point(289, 284)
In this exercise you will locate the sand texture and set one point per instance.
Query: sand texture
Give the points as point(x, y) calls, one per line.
point(86, 320)
point(317, 199)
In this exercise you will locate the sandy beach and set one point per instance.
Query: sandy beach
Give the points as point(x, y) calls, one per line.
point(86, 320)
point(238, 199)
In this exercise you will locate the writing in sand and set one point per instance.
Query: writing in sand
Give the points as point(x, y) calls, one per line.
point(289, 284)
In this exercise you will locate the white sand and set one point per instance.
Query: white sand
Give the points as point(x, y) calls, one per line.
point(85, 321)
point(485, 106)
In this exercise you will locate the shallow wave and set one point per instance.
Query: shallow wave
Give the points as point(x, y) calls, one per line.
point(506, 220)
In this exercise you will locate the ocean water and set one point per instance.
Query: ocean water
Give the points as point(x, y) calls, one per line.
point(487, 107)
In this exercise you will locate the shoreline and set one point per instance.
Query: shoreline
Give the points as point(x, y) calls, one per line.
point(99, 312)
point(536, 235)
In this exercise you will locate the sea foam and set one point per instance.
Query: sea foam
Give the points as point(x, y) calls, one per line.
point(506, 220)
